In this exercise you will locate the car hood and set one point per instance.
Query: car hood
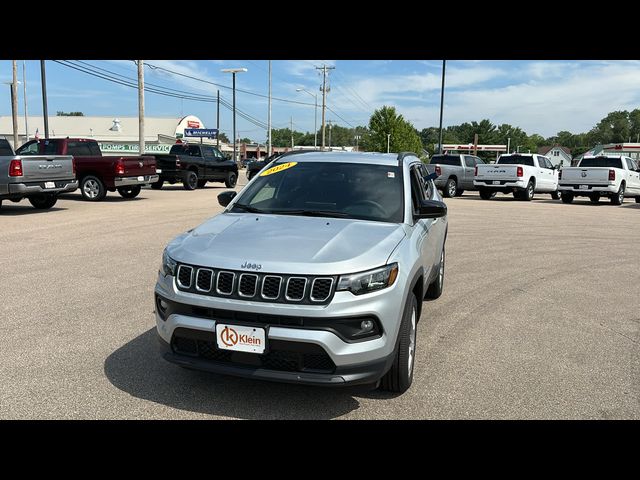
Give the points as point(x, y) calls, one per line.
point(288, 244)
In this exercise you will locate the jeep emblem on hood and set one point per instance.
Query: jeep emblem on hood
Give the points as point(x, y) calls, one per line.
point(252, 266)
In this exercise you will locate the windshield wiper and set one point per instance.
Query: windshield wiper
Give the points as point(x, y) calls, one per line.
point(312, 213)
point(248, 208)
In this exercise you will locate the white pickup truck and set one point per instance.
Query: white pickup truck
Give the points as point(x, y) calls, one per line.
point(522, 174)
point(613, 176)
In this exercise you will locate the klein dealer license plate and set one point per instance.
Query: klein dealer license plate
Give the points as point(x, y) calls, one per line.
point(49, 184)
point(583, 187)
point(496, 182)
point(240, 339)
point(141, 179)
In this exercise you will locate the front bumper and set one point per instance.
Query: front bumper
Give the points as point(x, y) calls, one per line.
point(362, 361)
point(28, 188)
point(139, 180)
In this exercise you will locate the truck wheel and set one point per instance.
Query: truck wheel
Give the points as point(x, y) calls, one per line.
point(92, 188)
point(618, 198)
point(567, 197)
point(528, 193)
point(594, 198)
point(460, 192)
point(43, 202)
point(637, 200)
point(400, 376)
point(129, 192)
point(450, 189)
point(435, 289)
point(157, 185)
point(191, 182)
point(486, 194)
point(231, 180)
point(201, 183)
point(555, 195)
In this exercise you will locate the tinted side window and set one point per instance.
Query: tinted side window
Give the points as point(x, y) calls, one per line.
point(630, 164)
point(78, 149)
point(94, 148)
point(417, 189)
point(428, 185)
point(479, 161)
point(469, 161)
point(216, 152)
point(32, 148)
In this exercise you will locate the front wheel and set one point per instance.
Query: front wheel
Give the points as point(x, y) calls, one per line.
point(450, 189)
point(129, 192)
point(486, 194)
point(400, 376)
point(191, 182)
point(231, 180)
point(92, 188)
point(435, 288)
point(43, 202)
point(618, 198)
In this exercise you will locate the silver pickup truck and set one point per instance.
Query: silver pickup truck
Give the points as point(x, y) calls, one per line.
point(38, 178)
point(455, 173)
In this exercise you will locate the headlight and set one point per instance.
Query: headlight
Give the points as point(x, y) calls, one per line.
point(370, 281)
point(168, 264)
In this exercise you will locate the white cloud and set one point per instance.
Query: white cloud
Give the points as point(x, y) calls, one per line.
point(304, 68)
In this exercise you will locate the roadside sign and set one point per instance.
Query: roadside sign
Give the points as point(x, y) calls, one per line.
point(201, 132)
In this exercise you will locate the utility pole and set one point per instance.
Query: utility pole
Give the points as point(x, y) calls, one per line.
point(330, 122)
point(14, 103)
point(45, 112)
point(140, 107)
point(218, 123)
point(324, 69)
point(24, 86)
point(444, 64)
point(269, 116)
point(291, 133)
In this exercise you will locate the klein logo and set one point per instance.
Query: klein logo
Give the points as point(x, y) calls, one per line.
point(230, 338)
point(48, 166)
point(584, 174)
point(251, 266)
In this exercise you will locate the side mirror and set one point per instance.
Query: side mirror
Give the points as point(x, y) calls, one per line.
point(431, 209)
point(431, 176)
point(225, 198)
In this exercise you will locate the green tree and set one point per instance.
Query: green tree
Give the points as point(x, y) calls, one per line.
point(223, 137)
point(386, 123)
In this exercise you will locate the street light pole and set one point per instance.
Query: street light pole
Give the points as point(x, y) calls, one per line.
point(24, 85)
point(444, 64)
point(14, 103)
point(45, 112)
point(233, 71)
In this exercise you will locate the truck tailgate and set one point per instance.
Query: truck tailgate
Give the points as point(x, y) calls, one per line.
point(497, 172)
point(40, 168)
point(133, 166)
point(166, 162)
point(585, 176)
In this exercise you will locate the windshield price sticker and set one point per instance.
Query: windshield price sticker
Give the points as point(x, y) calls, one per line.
point(278, 168)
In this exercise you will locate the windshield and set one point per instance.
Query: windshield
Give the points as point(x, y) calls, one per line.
point(345, 190)
point(610, 162)
point(446, 159)
point(515, 160)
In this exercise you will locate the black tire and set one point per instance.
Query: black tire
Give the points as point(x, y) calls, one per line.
point(637, 200)
point(486, 194)
point(435, 288)
point(460, 192)
point(201, 183)
point(157, 185)
point(594, 198)
point(92, 188)
point(567, 197)
point(618, 198)
point(231, 180)
point(191, 181)
point(528, 193)
point(556, 195)
point(450, 189)
point(43, 201)
point(129, 192)
point(400, 376)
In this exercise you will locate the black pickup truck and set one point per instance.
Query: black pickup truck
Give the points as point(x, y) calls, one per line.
point(194, 165)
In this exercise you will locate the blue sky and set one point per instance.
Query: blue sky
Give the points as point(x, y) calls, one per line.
point(539, 96)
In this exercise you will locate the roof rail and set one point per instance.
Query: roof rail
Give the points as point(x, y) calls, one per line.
point(294, 152)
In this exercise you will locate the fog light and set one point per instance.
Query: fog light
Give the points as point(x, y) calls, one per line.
point(366, 325)
point(163, 305)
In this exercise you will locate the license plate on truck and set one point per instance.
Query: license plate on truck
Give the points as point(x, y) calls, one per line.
point(141, 179)
point(49, 184)
point(583, 187)
point(240, 338)
point(496, 182)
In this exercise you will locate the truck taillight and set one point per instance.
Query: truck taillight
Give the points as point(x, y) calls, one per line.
point(612, 175)
point(177, 162)
point(120, 167)
point(438, 170)
point(15, 168)
point(520, 173)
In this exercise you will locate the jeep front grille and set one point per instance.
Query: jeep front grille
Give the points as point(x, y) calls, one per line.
point(259, 287)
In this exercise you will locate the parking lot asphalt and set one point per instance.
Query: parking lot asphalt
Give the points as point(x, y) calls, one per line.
point(539, 319)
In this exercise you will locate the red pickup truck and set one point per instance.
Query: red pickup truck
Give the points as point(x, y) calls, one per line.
point(98, 174)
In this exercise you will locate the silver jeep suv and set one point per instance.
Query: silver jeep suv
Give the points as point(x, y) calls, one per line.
point(314, 273)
